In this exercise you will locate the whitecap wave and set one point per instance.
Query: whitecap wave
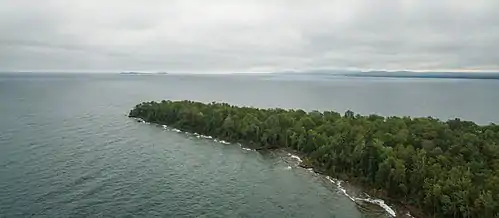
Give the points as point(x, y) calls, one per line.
point(202, 136)
point(221, 141)
point(340, 187)
point(224, 142)
point(176, 130)
point(295, 157)
point(244, 148)
point(378, 202)
point(165, 126)
point(140, 120)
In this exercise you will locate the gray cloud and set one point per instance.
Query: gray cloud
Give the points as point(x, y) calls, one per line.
point(257, 35)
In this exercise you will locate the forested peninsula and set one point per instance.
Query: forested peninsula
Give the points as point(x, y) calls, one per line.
point(444, 168)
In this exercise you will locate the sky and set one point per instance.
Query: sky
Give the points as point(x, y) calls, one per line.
point(248, 35)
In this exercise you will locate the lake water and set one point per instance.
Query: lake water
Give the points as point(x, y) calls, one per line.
point(67, 148)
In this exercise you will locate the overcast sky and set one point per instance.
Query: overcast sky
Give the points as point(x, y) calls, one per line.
point(248, 35)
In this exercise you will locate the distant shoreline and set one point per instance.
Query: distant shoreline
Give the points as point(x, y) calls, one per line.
point(140, 73)
point(493, 76)
point(393, 74)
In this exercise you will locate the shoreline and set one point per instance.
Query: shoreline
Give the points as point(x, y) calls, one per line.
point(397, 208)
point(393, 207)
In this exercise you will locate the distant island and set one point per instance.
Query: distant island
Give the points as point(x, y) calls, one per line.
point(141, 73)
point(436, 168)
point(132, 73)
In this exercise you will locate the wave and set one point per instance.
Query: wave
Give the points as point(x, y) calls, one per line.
point(140, 120)
point(337, 182)
point(295, 157)
point(202, 136)
point(221, 141)
point(378, 202)
point(176, 130)
point(244, 148)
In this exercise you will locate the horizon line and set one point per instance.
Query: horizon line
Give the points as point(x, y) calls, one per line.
point(250, 72)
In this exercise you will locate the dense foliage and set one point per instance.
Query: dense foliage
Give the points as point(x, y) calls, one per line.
point(449, 169)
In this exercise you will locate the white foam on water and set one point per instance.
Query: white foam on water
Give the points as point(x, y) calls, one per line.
point(329, 178)
point(343, 190)
point(295, 157)
point(378, 202)
point(202, 136)
point(221, 141)
point(409, 214)
point(247, 149)
point(382, 204)
point(165, 126)
point(289, 167)
point(140, 120)
point(176, 130)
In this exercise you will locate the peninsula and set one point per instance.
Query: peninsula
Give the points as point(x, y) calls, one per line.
point(444, 168)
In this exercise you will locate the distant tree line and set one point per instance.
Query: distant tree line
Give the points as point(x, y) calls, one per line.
point(447, 169)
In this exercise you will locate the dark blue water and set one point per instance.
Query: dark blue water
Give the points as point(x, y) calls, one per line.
point(67, 148)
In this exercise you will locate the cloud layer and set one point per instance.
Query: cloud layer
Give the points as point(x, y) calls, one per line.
point(252, 35)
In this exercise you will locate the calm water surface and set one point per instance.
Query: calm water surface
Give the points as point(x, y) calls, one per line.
point(67, 148)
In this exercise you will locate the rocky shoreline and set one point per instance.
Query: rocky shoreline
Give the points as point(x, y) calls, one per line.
point(397, 208)
point(366, 198)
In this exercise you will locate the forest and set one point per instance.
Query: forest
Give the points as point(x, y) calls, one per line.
point(444, 168)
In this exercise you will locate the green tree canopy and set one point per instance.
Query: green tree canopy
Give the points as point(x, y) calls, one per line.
point(448, 169)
